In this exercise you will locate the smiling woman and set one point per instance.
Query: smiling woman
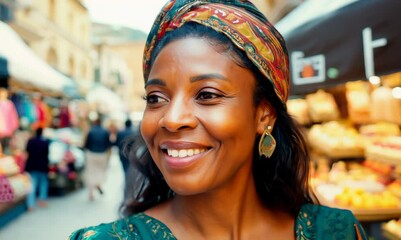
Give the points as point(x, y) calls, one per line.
point(223, 158)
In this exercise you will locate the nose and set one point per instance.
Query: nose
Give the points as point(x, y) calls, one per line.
point(179, 115)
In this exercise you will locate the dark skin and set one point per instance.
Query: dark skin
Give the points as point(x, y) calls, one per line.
point(200, 126)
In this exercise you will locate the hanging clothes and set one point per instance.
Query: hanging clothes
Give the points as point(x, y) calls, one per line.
point(10, 121)
point(43, 114)
point(64, 117)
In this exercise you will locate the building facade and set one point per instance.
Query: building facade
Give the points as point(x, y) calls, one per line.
point(59, 32)
point(132, 52)
point(119, 63)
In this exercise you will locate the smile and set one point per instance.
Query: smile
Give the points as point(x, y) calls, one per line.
point(182, 153)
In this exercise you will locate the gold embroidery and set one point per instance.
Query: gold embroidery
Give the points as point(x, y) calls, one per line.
point(89, 233)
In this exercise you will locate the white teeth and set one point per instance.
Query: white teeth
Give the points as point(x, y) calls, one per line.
point(173, 153)
point(184, 152)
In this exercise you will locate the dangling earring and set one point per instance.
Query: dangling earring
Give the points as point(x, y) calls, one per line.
point(267, 143)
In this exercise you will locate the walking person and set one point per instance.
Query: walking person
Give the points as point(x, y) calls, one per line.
point(37, 165)
point(122, 140)
point(97, 153)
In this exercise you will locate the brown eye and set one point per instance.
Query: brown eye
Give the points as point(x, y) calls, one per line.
point(153, 99)
point(204, 95)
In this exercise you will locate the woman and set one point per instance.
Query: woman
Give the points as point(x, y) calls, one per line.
point(216, 81)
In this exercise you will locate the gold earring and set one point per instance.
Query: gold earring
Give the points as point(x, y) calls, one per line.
point(267, 143)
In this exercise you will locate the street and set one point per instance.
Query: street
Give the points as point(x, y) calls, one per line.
point(65, 214)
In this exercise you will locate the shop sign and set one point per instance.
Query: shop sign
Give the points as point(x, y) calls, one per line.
point(353, 42)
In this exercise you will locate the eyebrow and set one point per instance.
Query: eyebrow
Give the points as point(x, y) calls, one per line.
point(208, 76)
point(201, 77)
point(155, 81)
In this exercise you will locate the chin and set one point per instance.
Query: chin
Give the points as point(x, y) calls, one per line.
point(187, 187)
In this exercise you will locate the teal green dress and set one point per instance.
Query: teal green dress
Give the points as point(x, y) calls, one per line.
point(313, 222)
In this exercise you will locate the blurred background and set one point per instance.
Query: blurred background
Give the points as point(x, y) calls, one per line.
point(76, 61)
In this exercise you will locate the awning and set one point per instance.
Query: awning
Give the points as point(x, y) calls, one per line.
point(105, 100)
point(26, 69)
point(332, 42)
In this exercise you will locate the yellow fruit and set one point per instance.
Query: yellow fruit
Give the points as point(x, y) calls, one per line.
point(369, 202)
point(359, 191)
point(357, 201)
point(342, 199)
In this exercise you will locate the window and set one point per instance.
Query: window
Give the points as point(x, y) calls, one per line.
point(52, 58)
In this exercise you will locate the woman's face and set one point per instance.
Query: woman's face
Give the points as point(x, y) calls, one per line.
point(200, 121)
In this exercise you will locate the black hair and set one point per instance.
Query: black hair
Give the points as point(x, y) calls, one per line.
point(281, 181)
point(128, 123)
point(39, 132)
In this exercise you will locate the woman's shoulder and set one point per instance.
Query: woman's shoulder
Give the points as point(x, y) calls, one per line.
point(321, 211)
point(136, 227)
point(316, 221)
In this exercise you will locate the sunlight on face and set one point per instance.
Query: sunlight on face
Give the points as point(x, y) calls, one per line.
point(200, 121)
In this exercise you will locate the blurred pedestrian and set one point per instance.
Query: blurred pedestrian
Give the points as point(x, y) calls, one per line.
point(97, 153)
point(37, 165)
point(122, 140)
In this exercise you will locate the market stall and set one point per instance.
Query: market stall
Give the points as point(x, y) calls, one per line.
point(332, 42)
point(66, 160)
point(27, 71)
point(345, 75)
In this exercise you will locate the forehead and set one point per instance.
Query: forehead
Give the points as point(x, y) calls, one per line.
point(195, 55)
point(194, 47)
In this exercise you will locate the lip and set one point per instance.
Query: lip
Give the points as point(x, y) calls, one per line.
point(183, 162)
point(181, 145)
point(180, 163)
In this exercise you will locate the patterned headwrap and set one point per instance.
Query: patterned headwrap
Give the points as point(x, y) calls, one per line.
point(241, 22)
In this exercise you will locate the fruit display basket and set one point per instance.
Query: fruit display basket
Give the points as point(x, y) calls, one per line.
point(367, 188)
point(387, 206)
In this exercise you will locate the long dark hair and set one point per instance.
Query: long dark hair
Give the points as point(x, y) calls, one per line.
point(281, 181)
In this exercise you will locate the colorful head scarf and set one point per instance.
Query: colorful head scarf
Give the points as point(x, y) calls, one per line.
point(241, 22)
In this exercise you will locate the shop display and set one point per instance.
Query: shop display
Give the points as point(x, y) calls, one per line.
point(336, 140)
point(8, 166)
point(386, 149)
point(8, 115)
point(29, 111)
point(14, 187)
point(298, 108)
point(380, 167)
point(14, 184)
point(358, 101)
point(66, 160)
point(369, 194)
point(380, 129)
point(322, 107)
point(395, 188)
point(384, 106)
point(362, 199)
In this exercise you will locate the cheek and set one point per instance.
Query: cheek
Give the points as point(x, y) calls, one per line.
point(148, 128)
point(230, 123)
